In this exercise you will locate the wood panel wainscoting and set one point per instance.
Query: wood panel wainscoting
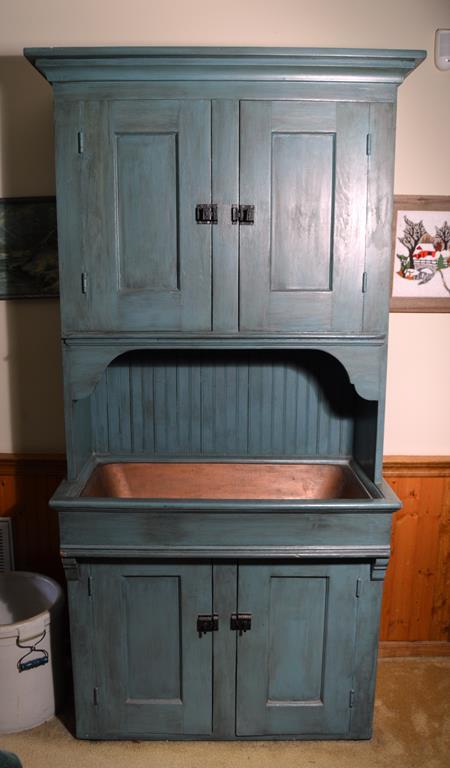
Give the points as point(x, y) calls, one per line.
point(27, 481)
point(416, 603)
point(416, 600)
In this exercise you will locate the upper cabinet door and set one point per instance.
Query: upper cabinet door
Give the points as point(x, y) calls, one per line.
point(142, 262)
point(303, 165)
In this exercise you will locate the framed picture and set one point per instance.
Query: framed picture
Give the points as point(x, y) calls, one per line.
point(421, 254)
point(28, 248)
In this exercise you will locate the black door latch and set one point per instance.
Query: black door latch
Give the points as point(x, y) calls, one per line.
point(243, 214)
point(241, 622)
point(207, 622)
point(206, 213)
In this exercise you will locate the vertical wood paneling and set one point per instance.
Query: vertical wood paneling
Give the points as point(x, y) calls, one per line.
point(416, 601)
point(241, 404)
point(440, 620)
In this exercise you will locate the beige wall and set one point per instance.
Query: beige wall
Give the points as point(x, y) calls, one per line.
point(418, 411)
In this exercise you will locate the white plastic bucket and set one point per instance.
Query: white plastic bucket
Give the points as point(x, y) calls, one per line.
point(30, 676)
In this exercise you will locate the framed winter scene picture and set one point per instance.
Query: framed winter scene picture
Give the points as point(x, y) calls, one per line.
point(421, 254)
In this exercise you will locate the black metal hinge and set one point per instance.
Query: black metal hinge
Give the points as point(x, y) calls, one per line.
point(358, 587)
point(84, 282)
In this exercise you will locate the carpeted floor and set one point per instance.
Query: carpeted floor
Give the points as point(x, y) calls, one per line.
point(411, 730)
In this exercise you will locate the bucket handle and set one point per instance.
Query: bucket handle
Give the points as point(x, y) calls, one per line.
point(23, 665)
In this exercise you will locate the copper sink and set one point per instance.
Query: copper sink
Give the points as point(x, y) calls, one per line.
point(220, 480)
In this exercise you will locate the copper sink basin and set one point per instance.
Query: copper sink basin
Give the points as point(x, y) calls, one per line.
point(231, 480)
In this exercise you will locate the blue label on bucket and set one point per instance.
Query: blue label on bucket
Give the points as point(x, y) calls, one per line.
point(24, 665)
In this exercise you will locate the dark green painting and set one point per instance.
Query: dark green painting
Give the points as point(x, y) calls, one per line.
point(28, 248)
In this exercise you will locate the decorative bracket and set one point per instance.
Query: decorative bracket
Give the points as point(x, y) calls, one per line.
point(378, 570)
point(71, 568)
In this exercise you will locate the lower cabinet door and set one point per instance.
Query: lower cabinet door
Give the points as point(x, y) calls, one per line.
point(153, 671)
point(294, 665)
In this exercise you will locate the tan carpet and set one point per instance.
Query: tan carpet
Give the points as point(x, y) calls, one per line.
point(412, 729)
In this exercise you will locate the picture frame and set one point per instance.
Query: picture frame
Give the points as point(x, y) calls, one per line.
point(420, 254)
point(28, 248)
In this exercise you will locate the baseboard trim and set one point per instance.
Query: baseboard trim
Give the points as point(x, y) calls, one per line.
point(390, 649)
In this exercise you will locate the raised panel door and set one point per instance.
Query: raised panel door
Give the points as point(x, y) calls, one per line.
point(294, 667)
point(153, 671)
point(303, 165)
point(138, 260)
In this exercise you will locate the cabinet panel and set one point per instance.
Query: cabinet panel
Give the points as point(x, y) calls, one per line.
point(147, 229)
point(304, 167)
point(144, 167)
point(294, 673)
point(154, 672)
point(302, 191)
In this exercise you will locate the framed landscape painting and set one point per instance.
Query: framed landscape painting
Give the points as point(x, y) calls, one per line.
point(28, 248)
point(421, 254)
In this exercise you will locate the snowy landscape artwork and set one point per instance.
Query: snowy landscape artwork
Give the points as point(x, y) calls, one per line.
point(421, 261)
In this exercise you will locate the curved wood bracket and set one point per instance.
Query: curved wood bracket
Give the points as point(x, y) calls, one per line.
point(364, 361)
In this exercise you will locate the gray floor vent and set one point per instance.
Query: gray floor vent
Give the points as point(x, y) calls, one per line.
point(6, 545)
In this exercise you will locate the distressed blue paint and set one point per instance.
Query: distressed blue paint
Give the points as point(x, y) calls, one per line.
point(239, 404)
point(220, 341)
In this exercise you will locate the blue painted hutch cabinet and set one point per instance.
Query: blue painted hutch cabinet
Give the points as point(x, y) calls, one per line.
point(224, 219)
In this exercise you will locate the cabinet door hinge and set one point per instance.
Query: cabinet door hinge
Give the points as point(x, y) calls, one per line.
point(84, 282)
point(95, 696)
point(369, 144)
point(364, 282)
point(351, 699)
point(89, 586)
point(80, 142)
point(358, 587)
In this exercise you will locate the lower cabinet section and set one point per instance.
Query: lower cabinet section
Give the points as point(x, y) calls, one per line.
point(224, 650)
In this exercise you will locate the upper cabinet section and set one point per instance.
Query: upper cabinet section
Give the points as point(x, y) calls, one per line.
point(224, 191)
